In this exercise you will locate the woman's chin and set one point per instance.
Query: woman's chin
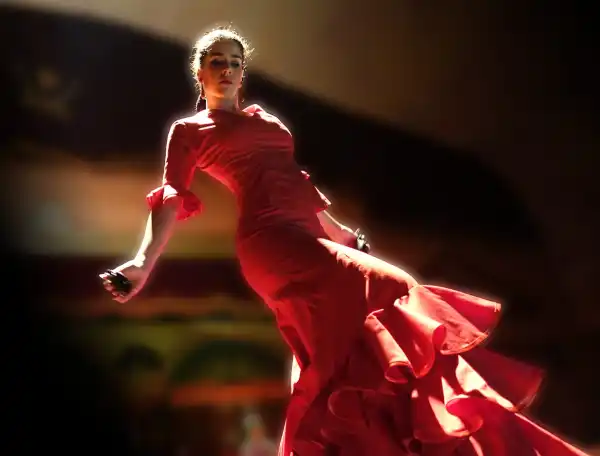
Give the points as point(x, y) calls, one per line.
point(224, 93)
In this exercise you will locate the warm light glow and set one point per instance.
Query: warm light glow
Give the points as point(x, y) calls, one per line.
point(217, 394)
point(76, 208)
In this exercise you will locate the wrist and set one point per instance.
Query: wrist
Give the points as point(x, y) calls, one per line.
point(144, 262)
point(347, 237)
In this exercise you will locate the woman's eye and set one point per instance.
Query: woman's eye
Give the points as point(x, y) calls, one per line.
point(218, 63)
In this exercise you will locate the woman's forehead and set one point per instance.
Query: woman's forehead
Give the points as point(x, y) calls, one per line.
point(228, 48)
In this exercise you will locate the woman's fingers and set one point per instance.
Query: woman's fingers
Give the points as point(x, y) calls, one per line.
point(122, 297)
point(124, 282)
point(108, 286)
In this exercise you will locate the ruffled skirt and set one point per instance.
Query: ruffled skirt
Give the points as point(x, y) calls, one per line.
point(386, 366)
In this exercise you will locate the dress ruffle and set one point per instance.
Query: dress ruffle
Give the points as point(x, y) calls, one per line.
point(190, 205)
point(419, 383)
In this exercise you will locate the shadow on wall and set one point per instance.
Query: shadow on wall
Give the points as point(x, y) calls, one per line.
point(103, 109)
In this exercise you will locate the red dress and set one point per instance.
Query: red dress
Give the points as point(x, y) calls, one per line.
point(384, 366)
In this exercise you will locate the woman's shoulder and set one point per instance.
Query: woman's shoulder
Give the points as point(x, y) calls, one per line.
point(196, 122)
point(258, 111)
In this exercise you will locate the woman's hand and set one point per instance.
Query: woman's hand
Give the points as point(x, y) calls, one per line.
point(361, 242)
point(356, 239)
point(341, 234)
point(136, 272)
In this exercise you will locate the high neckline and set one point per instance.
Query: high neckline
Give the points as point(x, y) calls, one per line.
point(246, 112)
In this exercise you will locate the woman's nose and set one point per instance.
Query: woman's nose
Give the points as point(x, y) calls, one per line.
point(227, 71)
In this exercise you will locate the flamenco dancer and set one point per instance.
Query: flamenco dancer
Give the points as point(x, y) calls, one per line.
point(383, 365)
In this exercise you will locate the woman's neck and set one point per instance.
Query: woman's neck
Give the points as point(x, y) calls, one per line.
point(223, 104)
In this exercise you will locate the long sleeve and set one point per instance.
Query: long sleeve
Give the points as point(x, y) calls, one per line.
point(180, 165)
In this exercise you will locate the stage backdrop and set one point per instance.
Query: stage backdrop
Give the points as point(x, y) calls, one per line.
point(512, 84)
point(88, 101)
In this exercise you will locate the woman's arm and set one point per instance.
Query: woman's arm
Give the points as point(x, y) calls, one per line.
point(159, 229)
point(168, 203)
point(171, 201)
point(336, 231)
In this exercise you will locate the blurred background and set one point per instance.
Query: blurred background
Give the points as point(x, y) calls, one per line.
point(461, 136)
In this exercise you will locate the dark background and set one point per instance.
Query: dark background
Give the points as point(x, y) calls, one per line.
point(512, 214)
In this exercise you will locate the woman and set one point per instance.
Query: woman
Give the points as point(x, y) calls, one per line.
point(383, 365)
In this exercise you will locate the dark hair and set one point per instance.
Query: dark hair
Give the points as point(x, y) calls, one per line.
point(202, 48)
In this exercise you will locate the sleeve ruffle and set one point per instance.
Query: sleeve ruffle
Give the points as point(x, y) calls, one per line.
point(190, 205)
point(323, 202)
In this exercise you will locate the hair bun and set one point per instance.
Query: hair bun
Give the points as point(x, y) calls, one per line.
point(200, 104)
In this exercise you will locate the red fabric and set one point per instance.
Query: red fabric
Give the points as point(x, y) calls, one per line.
point(252, 154)
point(382, 364)
point(325, 201)
point(190, 204)
point(180, 164)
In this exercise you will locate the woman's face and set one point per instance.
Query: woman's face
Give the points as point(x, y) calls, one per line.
point(222, 70)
